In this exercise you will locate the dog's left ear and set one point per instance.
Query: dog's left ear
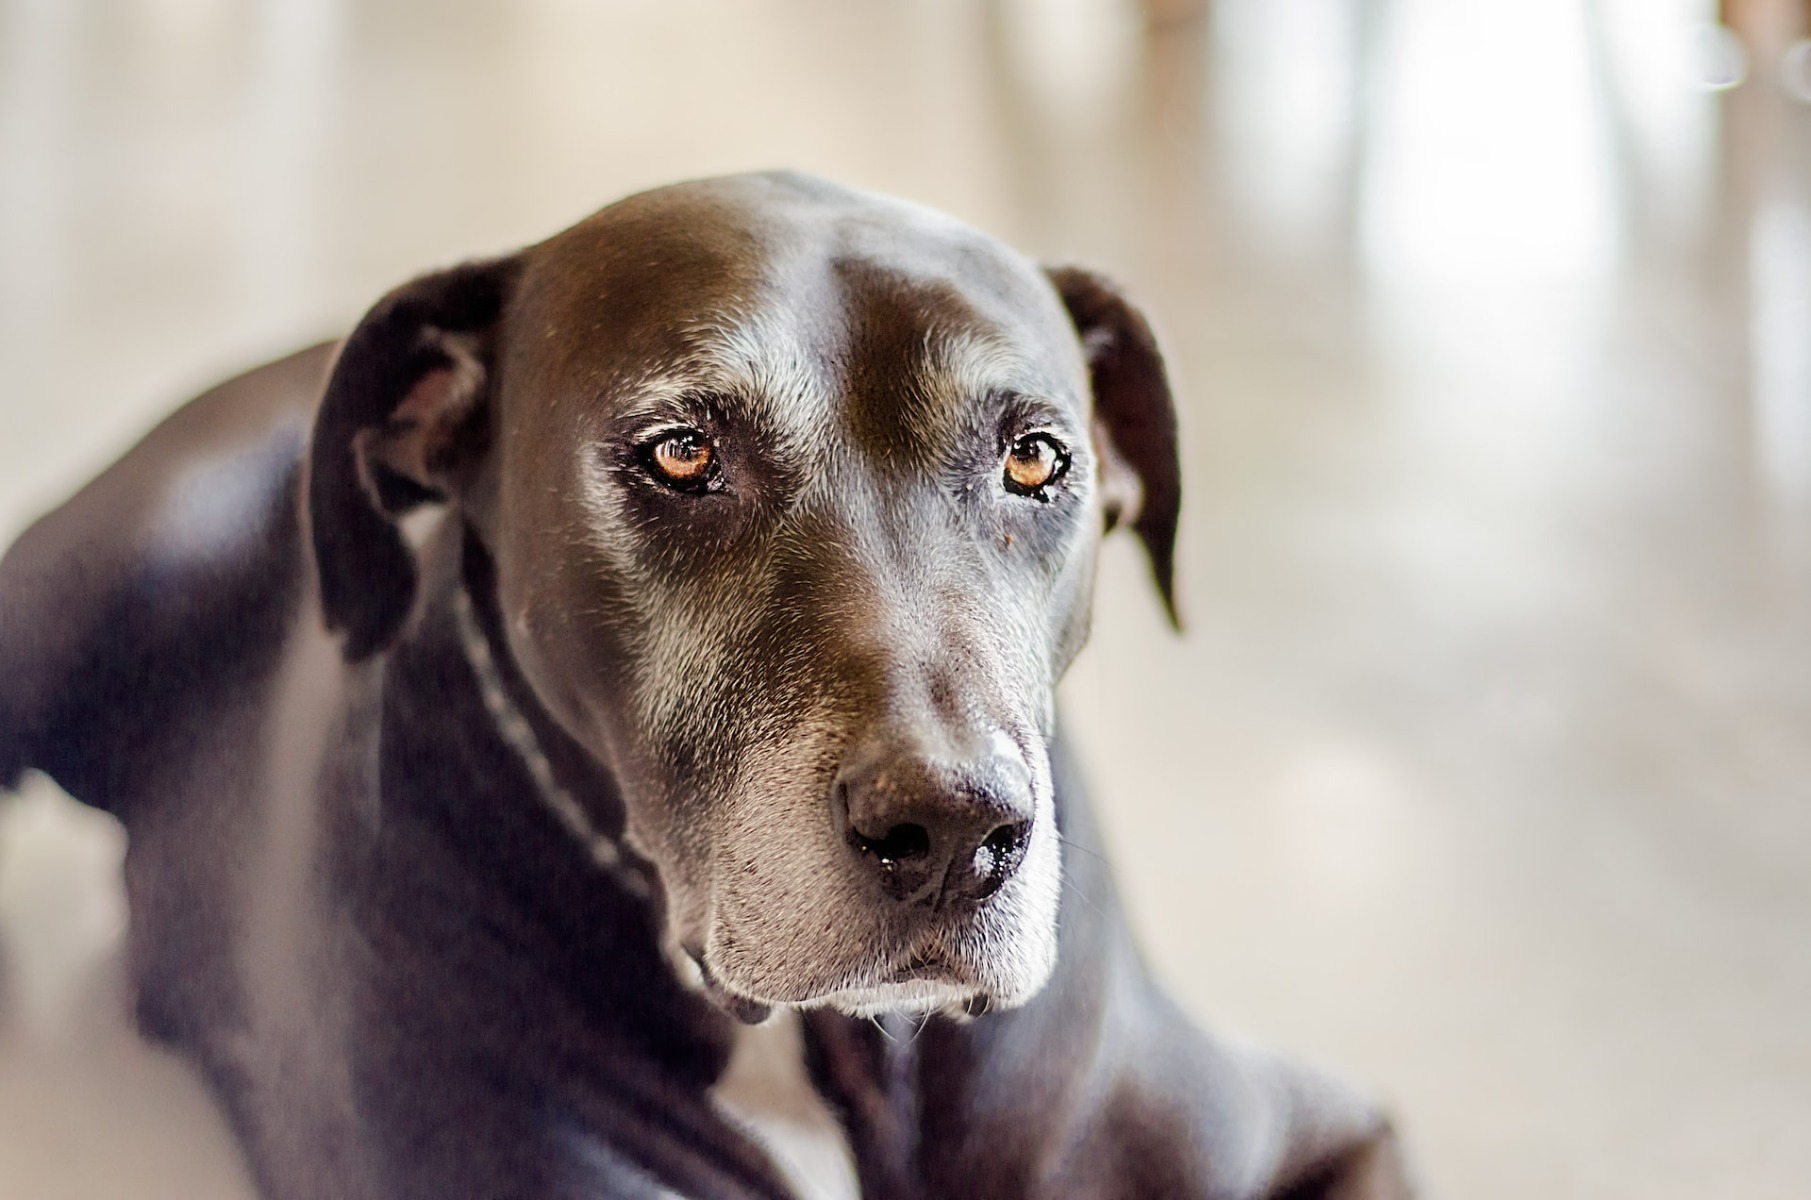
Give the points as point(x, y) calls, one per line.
point(1134, 418)
point(404, 421)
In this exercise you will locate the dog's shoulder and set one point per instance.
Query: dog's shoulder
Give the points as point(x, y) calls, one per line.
point(121, 609)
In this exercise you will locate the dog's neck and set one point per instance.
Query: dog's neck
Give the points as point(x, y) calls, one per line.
point(530, 732)
point(471, 765)
point(478, 638)
point(526, 774)
point(567, 783)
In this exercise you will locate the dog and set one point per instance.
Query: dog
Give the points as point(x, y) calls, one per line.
point(626, 648)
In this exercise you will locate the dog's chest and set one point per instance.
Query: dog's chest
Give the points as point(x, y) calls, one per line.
point(767, 1091)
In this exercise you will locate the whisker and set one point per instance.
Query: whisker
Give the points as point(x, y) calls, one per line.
point(1078, 846)
point(1082, 896)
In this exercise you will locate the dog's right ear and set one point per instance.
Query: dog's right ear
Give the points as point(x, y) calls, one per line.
point(403, 422)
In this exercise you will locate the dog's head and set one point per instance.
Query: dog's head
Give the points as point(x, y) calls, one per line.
point(793, 495)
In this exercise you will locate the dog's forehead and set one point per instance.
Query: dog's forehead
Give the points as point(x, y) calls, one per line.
point(789, 295)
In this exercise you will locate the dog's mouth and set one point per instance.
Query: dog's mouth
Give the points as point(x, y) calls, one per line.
point(811, 936)
point(923, 983)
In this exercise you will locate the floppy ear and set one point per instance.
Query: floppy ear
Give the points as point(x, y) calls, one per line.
point(403, 422)
point(1134, 418)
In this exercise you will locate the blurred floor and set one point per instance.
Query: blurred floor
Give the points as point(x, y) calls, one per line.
point(1483, 770)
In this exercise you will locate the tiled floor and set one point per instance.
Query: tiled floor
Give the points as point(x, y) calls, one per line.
point(1484, 769)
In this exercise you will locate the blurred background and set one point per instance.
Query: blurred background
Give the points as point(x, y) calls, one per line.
point(1482, 772)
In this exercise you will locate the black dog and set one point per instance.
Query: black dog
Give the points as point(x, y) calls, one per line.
point(722, 685)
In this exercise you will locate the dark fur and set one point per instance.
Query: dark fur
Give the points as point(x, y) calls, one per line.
point(401, 975)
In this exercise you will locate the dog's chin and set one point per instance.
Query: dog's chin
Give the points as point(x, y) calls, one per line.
point(916, 989)
point(917, 997)
point(913, 998)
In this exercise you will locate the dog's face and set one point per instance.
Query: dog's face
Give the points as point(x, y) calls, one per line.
point(793, 496)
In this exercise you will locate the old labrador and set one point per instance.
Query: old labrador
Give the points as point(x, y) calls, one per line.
point(463, 851)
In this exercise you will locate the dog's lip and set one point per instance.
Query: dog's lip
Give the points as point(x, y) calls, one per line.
point(910, 997)
point(940, 957)
point(745, 1009)
point(909, 978)
point(920, 967)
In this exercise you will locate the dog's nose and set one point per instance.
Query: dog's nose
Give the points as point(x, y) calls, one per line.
point(935, 831)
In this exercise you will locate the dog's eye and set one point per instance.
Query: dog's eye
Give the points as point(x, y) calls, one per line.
point(682, 458)
point(1036, 461)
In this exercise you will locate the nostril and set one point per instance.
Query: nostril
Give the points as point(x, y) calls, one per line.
point(998, 856)
point(900, 844)
point(1004, 841)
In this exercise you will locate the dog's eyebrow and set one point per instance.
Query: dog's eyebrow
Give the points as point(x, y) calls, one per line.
point(961, 367)
point(968, 354)
point(982, 363)
point(742, 370)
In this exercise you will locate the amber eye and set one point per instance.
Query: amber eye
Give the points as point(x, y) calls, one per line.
point(683, 458)
point(1036, 461)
